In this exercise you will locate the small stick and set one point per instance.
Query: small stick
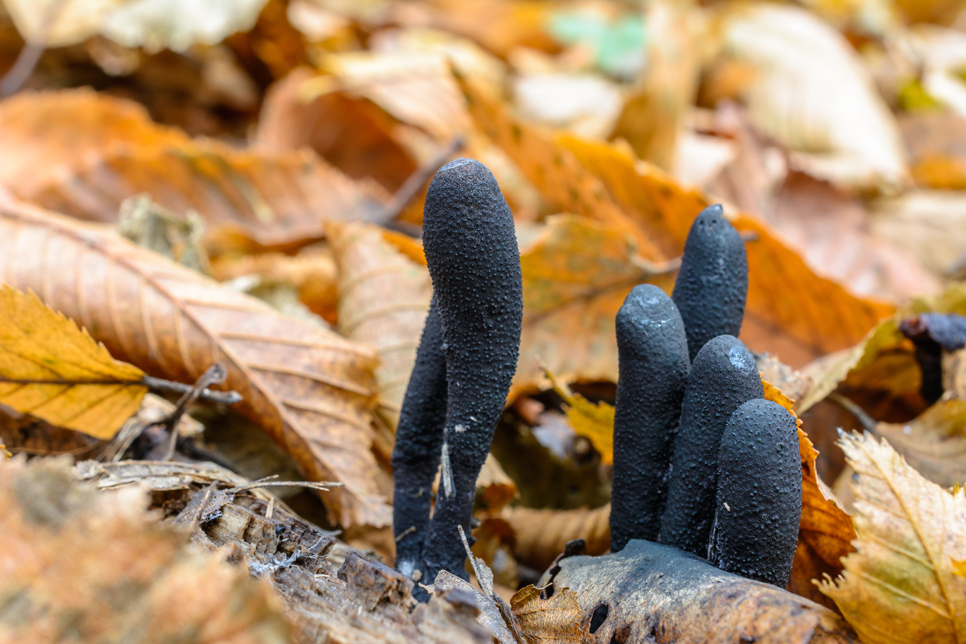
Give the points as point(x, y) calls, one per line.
point(411, 187)
point(214, 375)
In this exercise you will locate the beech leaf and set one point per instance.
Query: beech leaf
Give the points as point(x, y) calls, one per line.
point(901, 585)
point(53, 370)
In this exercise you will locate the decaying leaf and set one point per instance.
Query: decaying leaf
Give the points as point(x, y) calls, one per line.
point(594, 421)
point(825, 531)
point(791, 311)
point(310, 389)
point(541, 535)
point(812, 94)
point(52, 370)
point(901, 585)
point(653, 592)
point(83, 154)
point(383, 300)
point(576, 274)
point(933, 443)
point(79, 562)
point(544, 621)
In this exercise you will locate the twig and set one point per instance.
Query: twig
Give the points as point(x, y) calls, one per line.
point(867, 422)
point(30, 54)
point(408, 190)
point(215, 375)
point(223, 397)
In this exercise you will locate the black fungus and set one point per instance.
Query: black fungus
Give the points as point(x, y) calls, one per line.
point(712, 285)
point(419, 438)
point(474, 262)
point(723, 377)
point(653, 367)
point(933, 333)
point(759, 500)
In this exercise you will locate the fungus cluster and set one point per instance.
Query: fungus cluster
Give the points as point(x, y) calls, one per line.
point(701, 461)
point(466, 359)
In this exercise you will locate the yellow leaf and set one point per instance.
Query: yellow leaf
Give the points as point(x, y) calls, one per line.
point(547, 620)
point(52, 370)
point(593, 421)
point(901, 585)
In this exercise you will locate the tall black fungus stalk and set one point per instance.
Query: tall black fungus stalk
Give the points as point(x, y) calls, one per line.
point(653, 362)
point(473, 259)
point(712, 285)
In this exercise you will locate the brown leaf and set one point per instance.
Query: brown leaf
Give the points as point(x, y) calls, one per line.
point(934, 443)
point(656, 593)
point(309, 388)
point(351, 133)
point(937, 148)
point(383, 300)
point(544, 621)
point(901, 585)
point(83, 562)
point(541, 535)
point(84, 153)
point(791, 311)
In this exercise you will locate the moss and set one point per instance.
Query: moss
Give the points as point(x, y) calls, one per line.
point(653, 365)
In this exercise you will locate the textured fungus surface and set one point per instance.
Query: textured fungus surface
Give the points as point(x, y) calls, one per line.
point(419, 438)
point(473, 258)
point(759, 502)
point(723, 377)
point(654, 365)
point(712, 285)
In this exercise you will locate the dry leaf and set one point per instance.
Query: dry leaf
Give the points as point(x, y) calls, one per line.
point(52, 370)
point(791, 311)
point(383, 301)
point(595, 421)
point(541, 535)
point(83, 154)
point(351, 133)
point(934, 443)
point(813, 95)
point(155, 24)
point(937, 148)
point(498, 25)
point(576, 275)
point(83, 564)
point(928, 224)
point(310, 389)
point(901, 584)
point(825, 531)
point(544, 621)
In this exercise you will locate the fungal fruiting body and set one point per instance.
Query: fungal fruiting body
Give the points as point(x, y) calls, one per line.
point(759, 499)
point(653, 365)
point(474, 262)
point(712, 285)
point(723, 377)
point(419, 438)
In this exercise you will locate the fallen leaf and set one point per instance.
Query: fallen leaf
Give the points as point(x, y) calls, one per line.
point(900, 585)
point(934, 443)
point(58, 23)
point(544, 621)
point(52, 370)
point(826, 530)
point(595, 421)
point(95, 563)
point(791, 311)
point(349, 132)
point(540, 535)
point(498, 25)
point(928, 224)
point(937, 148)
point(310, 389)
point(383, 301)
point(576, 274)
point(83, 154)
point(813, 95)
